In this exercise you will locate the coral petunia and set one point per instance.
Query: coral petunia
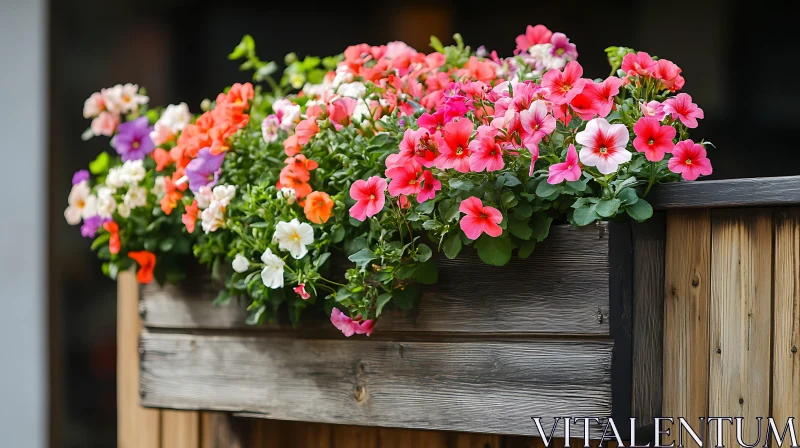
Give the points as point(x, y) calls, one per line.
point(562, 87)
point(653, 139)
point(189, 219)
point(370, 197)
point(640, 64)
point(682, 108)
point(569, 170)
point(405, 180)
point(534, 35)
point(114, 241)
point(486, 154)
point(454, 152)
point(430, 185)
point(689, 159)
point(318, 207)
point(147, 262)
point(478, 219)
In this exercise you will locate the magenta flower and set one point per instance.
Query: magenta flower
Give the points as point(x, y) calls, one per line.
point(91, 225)
point(486, 154)
point(370, 197)
point(536, 124)
point(562, 47)
point(653, 139)
point(204, 169)
point(132, 141)
point(568, 170)
point(348, 326)
point(80, 176)
point(689, 159)
point(604, 145)
point(681, 107)
point(563, 86)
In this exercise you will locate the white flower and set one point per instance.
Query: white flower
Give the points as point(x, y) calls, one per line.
point(287, 193)
point(106, 204)
point(82, 204)
point(293, 236)
point(287, 112)
point(222, 194)
point(361, 111)
point(158, 187)
point(133, 172)
point(353, 90)
point(269, 128)
point(123, 210)
point(93, 106)
point(343, 75)
point(135, 197)
point(272, 274)
point(123, 99)
point(172, 121)
point(240, 263)
point(204, 196)
point(114, 178)
point(213, 217)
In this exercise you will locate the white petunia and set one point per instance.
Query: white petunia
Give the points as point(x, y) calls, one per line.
point(293, 237)
point(135, 197)
point(123, 210)
point(222, 194)
point(287, 193)
point(82, 204)
point(133, 172)
point(114, 178)
point(123, 99)
point(204, 196)
point(240, 263)
point(106, 204)
point(158, 187)
point(272, 274)
point(213, 217)
point(352, 90)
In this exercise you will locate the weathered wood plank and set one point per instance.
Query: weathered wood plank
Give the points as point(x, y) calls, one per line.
point(786, 317)
point(136, 427)
point(758, 191)
point(180, 429)
point(686, 301)
point(489, 386)
point(221, 430)
point(740, 318)
point(566, 291)
point(403, 438)
point(649, 240)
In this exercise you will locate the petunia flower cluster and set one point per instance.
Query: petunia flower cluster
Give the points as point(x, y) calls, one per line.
point(334, 184)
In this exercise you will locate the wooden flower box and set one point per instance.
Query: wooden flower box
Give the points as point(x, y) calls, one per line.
point(693, 313)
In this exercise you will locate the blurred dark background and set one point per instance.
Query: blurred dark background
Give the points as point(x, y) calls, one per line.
point(739, 61)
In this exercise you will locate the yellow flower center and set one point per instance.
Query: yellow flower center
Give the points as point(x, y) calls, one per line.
point(295, 237)
point(603, 150)
point(688, 161)
point(135, 145)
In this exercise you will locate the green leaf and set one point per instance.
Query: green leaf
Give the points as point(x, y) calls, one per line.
point(452, 246)
point(223, 298)
point(100, 164)
point(580, 203)
point(509, 199)
point(426, 207)
point(342, 294)
point(362, 257)
point(494, 251)
point(423, 253)
point(338, 234)
point(520, 229)
point(428, 273)
point(526, 248)
point(507, 180)
point(585, 215)
point(544, 189)
point(627, 196)
point(259, 225)
point(319, 261)
point(245, 47)
point(407, 297)
point(452, 213)
point(608, 207)
point(167, 244)
point(383, 299)
point(459, 184)
point(100, 240)
point(405, 271)
point(255, 316)
point(436, 44)
point(540, 224)
point(523, 211)
point(640, 211)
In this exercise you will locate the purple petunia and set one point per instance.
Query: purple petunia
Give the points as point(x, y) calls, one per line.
point(132, 141)
point(80, 176)
point(203, 170)
point(91, 224)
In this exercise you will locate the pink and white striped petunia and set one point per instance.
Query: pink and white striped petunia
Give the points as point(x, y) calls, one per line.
point(604, 145)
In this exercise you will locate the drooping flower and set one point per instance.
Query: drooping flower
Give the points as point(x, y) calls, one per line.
point(349, 326)
point(240, 263)
point(569, 170)
point(370, 197)
point(604, 145)
point(204, 169)
point(430, 185)
point(563, 86)
point(681, 107)
point(486, 154)
point(534, 35)
point(147, 262)
point(653, 109)
point(132, 141)
point(90, 226)
point(454, 152)
point(189, 219)
point(82, 204)
point(478, 219)
point(653, 139)
point(640, 64)
point(404, 180)
point(80, 176)
point(318, 207)
point(689, 159)
point(114, 241)
point(293, 237)
point(536, 124)
point(300, 290)
point(272, 274)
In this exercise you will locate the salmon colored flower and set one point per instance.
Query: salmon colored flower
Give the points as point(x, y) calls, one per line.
point(569, 170)
point(189, 218)
point(478, 219)
point(640, 64)
point(486, 154)
point(430, 185)
point(290, 146)
point(689, 159)
point(370, 197)
point(172, 194)
point(299, 162)
point(563, 86)
point(318, 207)
point(405, 180)
point(114, 241)
point(147, 262)
point(454, 152)
point(305, 130)
point(669, 74)
point(162, 158)
point(653, 139)
point(682, 108)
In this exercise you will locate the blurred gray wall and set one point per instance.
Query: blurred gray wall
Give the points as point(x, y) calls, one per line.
point(23, 206)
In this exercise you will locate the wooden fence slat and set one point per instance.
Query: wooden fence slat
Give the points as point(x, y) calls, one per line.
point(686, 301)
point(221, 430)
point(136, 427)
point(786, 317)
point(180, 429)
point(487, 386)
point(478, 441)
point(403, 438)
point(572, 298)
point(348, 436)
point(740, 319)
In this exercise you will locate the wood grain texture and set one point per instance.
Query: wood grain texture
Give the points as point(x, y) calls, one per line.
point(649, 240)
point(180, 429)
point(347, 436)
point(136, 427)
point(758, 191)
point(221, 430)
point(786, 317)
point(566, 292)
point(402, 438)
point(477, 441)
point(740, 318)
point(490, 386)
point(686, 302)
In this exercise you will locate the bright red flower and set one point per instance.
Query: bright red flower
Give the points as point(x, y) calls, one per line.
point(301, 291)
point(147, 262)
point(597, 98)
point(430, 185)
point(114, 241)
point(370, 197)
point(454, 152)
point(653, 139)
point(689, 159)
point(486, 153)
point(478, 219)
point(563, 86)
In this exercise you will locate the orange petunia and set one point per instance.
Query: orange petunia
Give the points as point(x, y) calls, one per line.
point(114, 242)
point(189, 218)
point(162, 157)
point(147, 262)
point(172, 193)
point(300, 162)
point(318, 207)
point(305, 130)
point(290, 146)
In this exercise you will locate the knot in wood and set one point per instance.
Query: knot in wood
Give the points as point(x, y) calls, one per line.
point(695, 280)
point(719, 350)
point(142, 310)
point(794, 349)
point(360, 393)
point(741, 400)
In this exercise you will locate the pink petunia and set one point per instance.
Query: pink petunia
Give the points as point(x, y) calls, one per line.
point(562, 47)
point(349, 326)
point(597, 98)
point(534, 35)
point(430, 185)
point(414, 148)
point(640, 64)
point(536, 124)
point(604, 145)
point(454, 152)
point(653, 109)
point(653, 139)
point(563, 86)
point(689, 159)
point(681, 107)
point(301, 291)
point(669, 74)
point(569, 170)
point(405, 180)
point(478, 219)
point(432, 122)
point(486, 153)
point(369, 196)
